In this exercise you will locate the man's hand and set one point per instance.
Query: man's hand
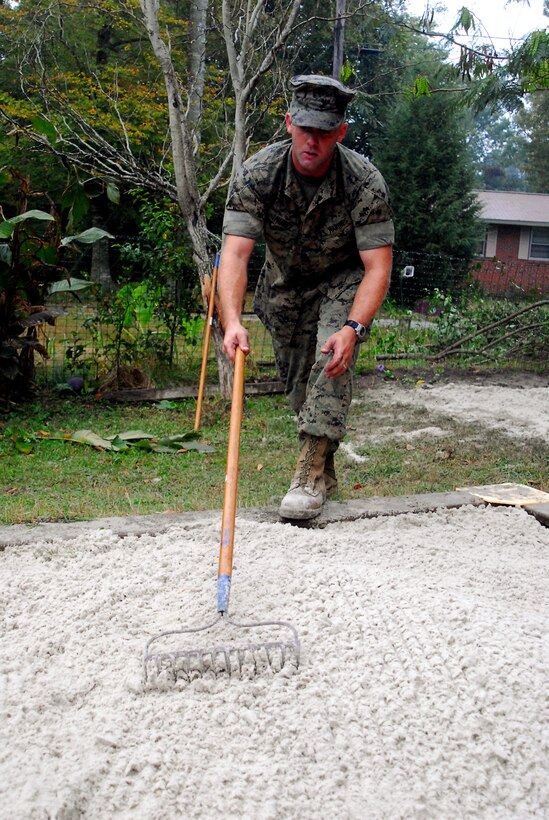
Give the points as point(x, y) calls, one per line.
point(341, 345)
point(369, 297)
point(236, 336)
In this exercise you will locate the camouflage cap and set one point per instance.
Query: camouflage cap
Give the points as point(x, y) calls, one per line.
point(318, 101)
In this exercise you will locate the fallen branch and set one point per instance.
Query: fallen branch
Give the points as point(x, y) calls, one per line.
point(483, 330)
point(457, 347)
point(519, 330)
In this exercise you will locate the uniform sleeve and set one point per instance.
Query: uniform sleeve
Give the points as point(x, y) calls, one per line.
point(375, 235)
point(240, 223)
point(244, 212)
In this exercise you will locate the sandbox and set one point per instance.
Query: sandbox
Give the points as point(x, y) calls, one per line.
point(422, 690)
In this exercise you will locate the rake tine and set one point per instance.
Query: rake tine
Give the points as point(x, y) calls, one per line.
point(241, 661)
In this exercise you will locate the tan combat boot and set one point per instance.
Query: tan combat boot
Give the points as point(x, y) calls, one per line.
point(330, 478)
point(307, 491)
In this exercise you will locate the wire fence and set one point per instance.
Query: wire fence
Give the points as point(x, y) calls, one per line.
point(432, 299)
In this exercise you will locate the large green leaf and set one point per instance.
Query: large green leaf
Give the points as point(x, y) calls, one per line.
point(77, 201)
point(166, 404)
point(113, 193)
point(47, 254)
point(32, 214)
point(23, 446)
point(87, 237)
point(22, 441)
point(131, 435)
point(6, 227)
point(180, 443)
point(118, 443)
point(70, 285)
point(191, 436)
point(91, 438)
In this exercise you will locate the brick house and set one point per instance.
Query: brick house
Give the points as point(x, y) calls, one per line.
point(514, 257)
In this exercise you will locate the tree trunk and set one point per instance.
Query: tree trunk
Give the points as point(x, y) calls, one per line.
point(188, 195)
point(197, 63)
point(339, 39)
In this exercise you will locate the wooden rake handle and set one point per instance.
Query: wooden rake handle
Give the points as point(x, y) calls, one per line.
point(226, 546)
point(206, 344)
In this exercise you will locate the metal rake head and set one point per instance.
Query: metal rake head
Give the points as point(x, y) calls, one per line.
point(234, 657)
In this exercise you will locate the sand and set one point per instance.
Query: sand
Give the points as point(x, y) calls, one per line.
point(422, 690)
point(518, 412)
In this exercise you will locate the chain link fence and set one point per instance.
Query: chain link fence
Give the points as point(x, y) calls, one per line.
point(432, 299)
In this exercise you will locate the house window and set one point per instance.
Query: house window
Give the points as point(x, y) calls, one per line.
point(539, 243)
point(480, 249)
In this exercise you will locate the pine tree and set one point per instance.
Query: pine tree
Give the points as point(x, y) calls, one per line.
point(424, 160)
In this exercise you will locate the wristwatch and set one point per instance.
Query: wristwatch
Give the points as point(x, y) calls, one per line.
point(359, 329)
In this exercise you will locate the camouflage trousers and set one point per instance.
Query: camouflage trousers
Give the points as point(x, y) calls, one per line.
point(321, 403)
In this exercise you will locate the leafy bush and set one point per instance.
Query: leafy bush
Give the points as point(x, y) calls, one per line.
point(162, 262)
point(32, 254)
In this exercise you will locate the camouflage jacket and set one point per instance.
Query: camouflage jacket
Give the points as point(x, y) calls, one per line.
point(310, 247)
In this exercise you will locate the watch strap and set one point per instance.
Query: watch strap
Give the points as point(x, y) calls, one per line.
point(358, 328)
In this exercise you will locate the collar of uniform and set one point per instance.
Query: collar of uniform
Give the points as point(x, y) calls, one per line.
point(326, 190)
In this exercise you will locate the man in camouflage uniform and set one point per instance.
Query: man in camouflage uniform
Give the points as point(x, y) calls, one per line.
point(323, 211)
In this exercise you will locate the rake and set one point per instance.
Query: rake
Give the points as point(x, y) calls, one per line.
point(229, 647)
point(206, 344)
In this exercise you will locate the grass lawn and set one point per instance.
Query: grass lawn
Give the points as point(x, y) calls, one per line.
point(68, 481)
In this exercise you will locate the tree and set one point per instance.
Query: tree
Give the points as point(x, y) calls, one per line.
point(497, 143)
point(535, 119)
point(247, 66)
point(493, 77)
point(91, 126)
point(423, 157)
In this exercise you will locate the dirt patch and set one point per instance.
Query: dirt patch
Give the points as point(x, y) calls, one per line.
point(502, 378)
point(517, 406)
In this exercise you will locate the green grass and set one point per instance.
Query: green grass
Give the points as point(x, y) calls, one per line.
point(465, 455)
point(61, 481)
